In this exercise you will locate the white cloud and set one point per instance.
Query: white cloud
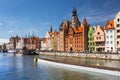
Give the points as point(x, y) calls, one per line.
point(11, 31)
point(45, 24)
point(0, 23)
point(4, 41)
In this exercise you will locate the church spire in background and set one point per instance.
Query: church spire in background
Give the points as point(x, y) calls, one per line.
point(75, 20)
point(51, 28)
point(84, 21)
point(74, 12)
point(33, 34)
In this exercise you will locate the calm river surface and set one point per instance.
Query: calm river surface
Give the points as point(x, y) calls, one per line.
point(18, 67)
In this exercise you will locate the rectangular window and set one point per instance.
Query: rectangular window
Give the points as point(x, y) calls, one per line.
point(118, 19)
point(118, 36)
point(107, 37)
point(111, 36)
point(96, 37)
point(111, 42)
point(118, 49)
point(118, 25)
point(117, 42)
point(111, 47)
point(99, 37)
point(111, 31)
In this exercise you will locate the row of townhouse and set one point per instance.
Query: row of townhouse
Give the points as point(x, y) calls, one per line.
point(107, 38)
point(18, 43)
point(74, 36)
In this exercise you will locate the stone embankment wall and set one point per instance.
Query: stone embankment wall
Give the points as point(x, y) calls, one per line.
point(84, 55)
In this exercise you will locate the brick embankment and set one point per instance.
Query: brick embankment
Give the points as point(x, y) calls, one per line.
point(78, 64)
point(84, 55)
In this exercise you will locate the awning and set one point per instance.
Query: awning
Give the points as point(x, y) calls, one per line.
point(49, 48)
point(43, 49)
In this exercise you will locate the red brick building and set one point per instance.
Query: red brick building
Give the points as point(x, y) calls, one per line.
point(32, 43)
point(13, 42)
point(29, 43)
point(73, 35)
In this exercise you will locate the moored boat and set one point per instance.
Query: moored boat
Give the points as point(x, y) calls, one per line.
point(30, 52)
point(12, 51)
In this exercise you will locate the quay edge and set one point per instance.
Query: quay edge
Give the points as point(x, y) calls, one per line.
point(84, 55)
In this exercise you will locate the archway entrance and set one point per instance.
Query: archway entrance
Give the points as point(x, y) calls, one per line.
point(71, 49)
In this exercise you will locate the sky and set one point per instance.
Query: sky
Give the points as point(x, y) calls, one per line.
point(21, 17)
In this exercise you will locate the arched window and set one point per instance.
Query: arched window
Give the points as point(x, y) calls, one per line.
point(98, 33)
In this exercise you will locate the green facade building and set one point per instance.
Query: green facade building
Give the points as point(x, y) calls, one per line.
point(91, 46)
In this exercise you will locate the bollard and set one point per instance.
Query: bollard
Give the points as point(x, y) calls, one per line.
point(35, 59)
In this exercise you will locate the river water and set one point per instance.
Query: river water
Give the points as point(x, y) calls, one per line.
point(18, 67)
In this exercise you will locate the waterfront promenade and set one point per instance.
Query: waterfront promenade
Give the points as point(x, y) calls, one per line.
point(84, 55)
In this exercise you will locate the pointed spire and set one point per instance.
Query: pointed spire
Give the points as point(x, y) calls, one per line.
point(51, 28)
point(108, 18)
point(75, 20)
point(29, 35)
point(74, 12)
point(84, 21)
point(25, 35)
point(33, 34)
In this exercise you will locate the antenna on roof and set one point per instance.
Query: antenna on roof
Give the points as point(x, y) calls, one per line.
point(108, 18)
point(33, 34)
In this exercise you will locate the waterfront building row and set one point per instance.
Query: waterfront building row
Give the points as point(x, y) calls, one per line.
point(18, 43)
point(107, 38)
point(74, 36)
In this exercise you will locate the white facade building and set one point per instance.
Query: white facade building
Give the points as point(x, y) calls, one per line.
point(47, 37)
point(20, 44)
point(110, 37)
point(45, 43)
point(117, 31)
point(7, 46)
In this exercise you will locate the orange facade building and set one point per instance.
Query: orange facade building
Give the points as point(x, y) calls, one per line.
point(53, 39)
point(73, 35)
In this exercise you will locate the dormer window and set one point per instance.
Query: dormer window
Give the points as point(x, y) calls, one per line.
point(110, 25)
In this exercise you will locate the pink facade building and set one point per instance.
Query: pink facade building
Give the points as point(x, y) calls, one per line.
point(99, 39)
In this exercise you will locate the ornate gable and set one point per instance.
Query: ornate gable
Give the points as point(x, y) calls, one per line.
point(70, 31)
point(109, 25)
